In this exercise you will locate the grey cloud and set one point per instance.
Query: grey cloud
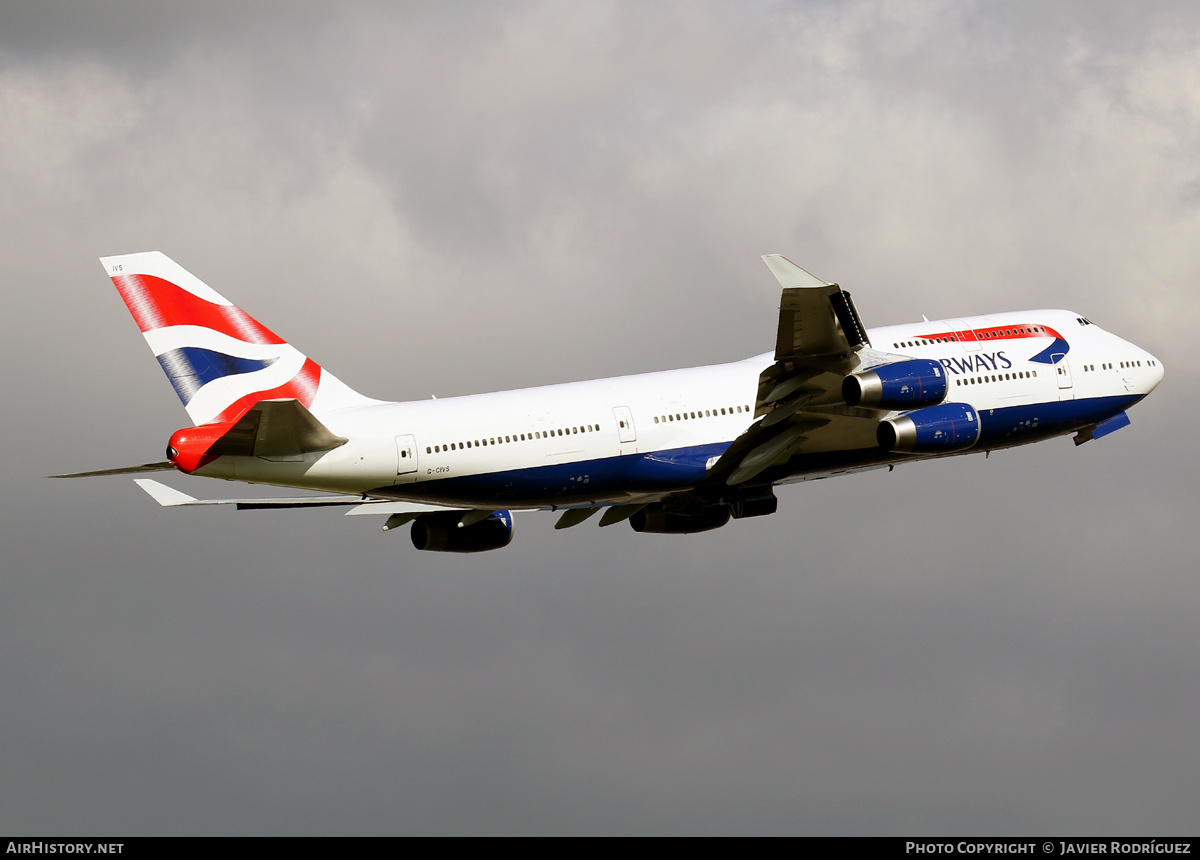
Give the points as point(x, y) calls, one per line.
point(498, 195)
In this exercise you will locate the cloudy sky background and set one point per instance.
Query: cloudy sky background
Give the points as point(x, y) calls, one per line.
point(453, 198)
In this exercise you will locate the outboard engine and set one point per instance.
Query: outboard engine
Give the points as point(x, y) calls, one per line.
point(901, 385)
point(441, 532)
point(934, 430)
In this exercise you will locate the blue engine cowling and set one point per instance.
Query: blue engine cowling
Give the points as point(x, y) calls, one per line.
point(440, 532)
point(902, 385)
point(935, 429)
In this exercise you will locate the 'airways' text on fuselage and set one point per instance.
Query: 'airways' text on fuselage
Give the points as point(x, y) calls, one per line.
point(976, 363)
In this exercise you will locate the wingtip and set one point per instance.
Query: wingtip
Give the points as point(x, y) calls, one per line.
point(789, 274)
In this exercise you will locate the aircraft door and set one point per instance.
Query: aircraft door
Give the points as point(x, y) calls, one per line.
point(625, 429)
point(406, 455)
point(965, 335)
point(1065, 389)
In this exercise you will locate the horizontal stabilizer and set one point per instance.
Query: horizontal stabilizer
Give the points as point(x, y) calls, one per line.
point(276, 429)
point(164, 466)
point(166, 496)
point(169, 497)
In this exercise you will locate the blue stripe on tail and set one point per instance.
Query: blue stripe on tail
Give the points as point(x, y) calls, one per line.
point(190, 368)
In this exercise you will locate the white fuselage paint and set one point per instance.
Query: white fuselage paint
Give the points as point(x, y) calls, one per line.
point(460, 438)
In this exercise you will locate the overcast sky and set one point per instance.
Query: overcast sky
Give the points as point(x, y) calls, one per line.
point(453, 198)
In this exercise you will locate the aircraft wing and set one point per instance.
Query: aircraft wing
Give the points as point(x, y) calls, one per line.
point(815, 318)
point(819, 341)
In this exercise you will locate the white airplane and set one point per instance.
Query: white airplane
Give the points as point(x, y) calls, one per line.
point(677, 452)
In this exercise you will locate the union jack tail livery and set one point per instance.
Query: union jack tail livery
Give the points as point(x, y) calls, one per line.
point(220, 360)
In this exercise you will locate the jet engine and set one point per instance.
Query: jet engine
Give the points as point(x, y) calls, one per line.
point(901, 385)
point(441, 532)
point(655, 519)
point(933, 430)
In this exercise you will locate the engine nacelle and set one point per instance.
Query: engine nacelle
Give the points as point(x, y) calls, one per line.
point(755, 503)
point(948, 427)
point(440, 532)
point(655, 520)
point(902, 385)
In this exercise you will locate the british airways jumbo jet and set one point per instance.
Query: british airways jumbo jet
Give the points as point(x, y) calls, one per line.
point(676, 452)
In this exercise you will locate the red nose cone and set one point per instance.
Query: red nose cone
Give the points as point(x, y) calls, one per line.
point(188, 449)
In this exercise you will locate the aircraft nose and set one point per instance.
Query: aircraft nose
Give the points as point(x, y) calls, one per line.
point(1157, 367)
point(1156, 371)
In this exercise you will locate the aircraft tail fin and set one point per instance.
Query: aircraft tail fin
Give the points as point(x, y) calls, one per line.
point(220, 360)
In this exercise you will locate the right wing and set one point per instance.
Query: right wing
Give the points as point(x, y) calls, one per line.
point(819, 341)
point(815, 318)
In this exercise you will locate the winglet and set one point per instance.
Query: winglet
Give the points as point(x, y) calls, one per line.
point(789, 274)
point(164, 495)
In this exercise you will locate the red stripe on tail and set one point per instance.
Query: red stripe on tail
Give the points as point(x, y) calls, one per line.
point(157, 303)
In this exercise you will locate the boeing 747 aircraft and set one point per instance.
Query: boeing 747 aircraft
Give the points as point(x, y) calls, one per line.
point(675, 452)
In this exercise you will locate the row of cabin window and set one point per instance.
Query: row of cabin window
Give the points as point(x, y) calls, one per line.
point(519, 437)
point(981, 335)
point(999, 377)
point(1124, 364)
point(703, 413)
